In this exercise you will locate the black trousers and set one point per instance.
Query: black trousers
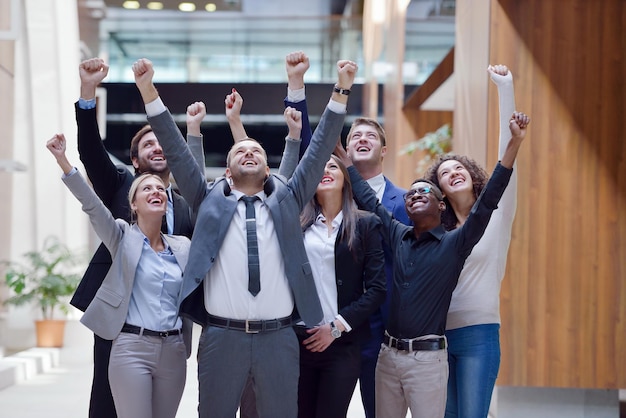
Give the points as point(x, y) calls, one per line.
point(327, 379)
point(101, 403)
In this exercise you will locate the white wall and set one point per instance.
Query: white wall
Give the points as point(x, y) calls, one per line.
point(46, 84)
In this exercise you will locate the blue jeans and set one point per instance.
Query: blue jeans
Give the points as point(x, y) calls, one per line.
point(474, 360)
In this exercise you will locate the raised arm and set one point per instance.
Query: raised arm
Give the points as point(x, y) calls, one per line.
point(289, 160)
point(103, 222)
point(517, 128)
point(365, 197)
point(474, 227)
point(195, 114)
point(296, 65)
point(309, 171)
point(104, 175)
point(189, 178)
point(233, 104)
point(503, 79)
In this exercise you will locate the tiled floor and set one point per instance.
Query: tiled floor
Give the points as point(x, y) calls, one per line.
point(63, 392)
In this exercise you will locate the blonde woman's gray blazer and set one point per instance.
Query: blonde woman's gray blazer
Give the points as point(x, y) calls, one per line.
point(107, 313)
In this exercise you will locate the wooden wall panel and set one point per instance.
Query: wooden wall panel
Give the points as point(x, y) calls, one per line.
point(564, 295)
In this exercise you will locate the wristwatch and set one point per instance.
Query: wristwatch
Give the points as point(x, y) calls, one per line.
point(334, 331)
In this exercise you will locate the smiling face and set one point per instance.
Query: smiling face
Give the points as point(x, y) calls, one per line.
point(454, 178)
point(333, 178)
point(247, 159)
point(147, 196)
point(423, 200)
point(149, 157)
point(365, 144)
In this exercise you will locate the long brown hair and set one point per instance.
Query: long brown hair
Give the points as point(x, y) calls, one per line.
point(349, 209)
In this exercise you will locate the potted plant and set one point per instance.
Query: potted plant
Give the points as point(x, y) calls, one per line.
point(46, 278)
point(433, 144)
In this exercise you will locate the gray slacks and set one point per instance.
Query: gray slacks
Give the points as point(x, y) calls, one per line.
point(147, 375)
point(227, 357)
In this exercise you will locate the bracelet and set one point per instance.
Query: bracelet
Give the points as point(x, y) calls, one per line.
point(341, 91)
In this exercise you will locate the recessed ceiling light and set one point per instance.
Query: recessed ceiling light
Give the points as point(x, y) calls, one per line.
point(155, 5)
point(210, 7)
point(186, 7)
point(129, 4)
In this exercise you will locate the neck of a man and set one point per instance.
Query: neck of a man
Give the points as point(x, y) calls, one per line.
point(249, 187)
point(424, 224)
point(368, 169)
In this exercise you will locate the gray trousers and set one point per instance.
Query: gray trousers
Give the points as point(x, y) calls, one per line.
point(147, 375)
point(226, 358)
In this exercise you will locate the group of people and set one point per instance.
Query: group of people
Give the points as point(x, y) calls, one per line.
point(305, 281)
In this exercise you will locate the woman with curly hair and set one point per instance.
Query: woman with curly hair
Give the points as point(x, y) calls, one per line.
point(473, 323)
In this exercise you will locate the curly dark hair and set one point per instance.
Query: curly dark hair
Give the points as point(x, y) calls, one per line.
point(479, 180)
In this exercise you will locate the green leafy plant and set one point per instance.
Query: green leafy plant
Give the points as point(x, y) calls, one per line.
point(434, 143)
point(46, 278)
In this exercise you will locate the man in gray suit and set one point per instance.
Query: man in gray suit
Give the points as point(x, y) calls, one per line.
point(247, 333)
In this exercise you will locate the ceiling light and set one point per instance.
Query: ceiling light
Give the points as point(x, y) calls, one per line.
point(210, 7)
point(129, 4)
point(155, 5)
point(186, 7)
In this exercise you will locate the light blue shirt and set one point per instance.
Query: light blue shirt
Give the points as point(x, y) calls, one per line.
point(154, 299)
point(86, 104)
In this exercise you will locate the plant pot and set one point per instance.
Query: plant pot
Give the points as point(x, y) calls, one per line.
point(50, 332)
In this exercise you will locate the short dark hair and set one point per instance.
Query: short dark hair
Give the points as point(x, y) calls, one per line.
point(436, 188)
point(134, 143)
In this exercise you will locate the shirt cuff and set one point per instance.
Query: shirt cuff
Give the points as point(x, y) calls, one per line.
point(155, 107)
point(71, 173)
point(86, 104)
point(337, 107)
point(295, 96)
point(345, 323)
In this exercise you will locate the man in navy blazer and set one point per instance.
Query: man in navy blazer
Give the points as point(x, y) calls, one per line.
point(248, 334)
point(111, 184)
point(366, 146)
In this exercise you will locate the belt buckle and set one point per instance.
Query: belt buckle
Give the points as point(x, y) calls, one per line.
point(248, 330)
point(164, 334)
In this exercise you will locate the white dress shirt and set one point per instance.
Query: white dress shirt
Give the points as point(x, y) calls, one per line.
point(226, 285)
point(320, 250)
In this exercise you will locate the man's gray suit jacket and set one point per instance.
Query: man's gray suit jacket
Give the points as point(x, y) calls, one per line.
point(214, 206)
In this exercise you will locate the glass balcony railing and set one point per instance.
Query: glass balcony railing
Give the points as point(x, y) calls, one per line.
point(222, 47)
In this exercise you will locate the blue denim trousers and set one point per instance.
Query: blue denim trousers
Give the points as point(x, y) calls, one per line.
point(474, 361)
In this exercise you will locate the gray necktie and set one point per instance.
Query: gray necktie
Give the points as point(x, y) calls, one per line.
point(254, 275)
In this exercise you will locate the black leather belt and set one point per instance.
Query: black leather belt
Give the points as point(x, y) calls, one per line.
point(414, 345)
point(249, 326)
point(134, 329)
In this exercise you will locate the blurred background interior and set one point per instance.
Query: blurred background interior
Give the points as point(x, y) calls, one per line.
point(422, 65)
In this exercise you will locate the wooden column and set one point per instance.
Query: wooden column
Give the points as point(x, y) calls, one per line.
point(563, 300)
point(397, 127)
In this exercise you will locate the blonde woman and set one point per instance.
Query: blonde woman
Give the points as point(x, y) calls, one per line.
point(137, 304)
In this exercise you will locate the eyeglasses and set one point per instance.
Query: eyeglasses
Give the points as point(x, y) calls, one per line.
point(424, 190)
